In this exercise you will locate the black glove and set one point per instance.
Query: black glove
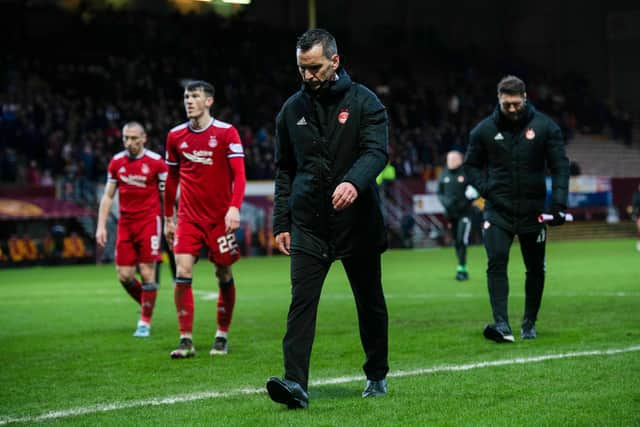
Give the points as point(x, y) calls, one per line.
point(558, 217)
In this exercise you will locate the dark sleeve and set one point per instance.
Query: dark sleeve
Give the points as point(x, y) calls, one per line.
point(285, 172)
point(444, 199)
point(373, 142)
point(475, 163)
point(558, 164)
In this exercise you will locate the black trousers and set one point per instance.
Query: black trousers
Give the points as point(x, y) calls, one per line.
point(497, 242)
point(307, 277)
point(461, 231)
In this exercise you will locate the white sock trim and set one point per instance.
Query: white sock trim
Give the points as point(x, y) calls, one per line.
point(222, 334)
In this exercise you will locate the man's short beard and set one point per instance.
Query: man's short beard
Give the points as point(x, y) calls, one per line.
point(313, 85)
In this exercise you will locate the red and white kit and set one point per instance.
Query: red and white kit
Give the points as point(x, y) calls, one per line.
point(209, 165)
point(139, 181)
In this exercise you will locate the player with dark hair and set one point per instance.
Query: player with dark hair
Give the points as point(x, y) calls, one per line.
point(507, 159)
point(206, 158)
point(139, 175)
point(331, 143)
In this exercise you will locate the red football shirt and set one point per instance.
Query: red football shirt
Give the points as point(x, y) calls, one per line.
point(139, 181)
point(206, 177)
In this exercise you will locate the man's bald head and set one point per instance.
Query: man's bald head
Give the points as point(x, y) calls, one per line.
point(454, 159)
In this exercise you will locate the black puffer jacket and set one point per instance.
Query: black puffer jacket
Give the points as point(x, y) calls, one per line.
point(451, 187)
point(322, 139)
point(507, 163)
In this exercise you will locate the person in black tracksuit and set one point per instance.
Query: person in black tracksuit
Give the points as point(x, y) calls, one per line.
point(456, 195)
point(331, 143)
point(508, 155)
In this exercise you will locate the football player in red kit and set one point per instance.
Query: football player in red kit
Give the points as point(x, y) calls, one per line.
point(206, 159)
point(140, 176)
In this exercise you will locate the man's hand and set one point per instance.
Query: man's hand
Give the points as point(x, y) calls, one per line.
point(169, 230)
point(101, 237)
point(232, 220)
point(344, 196)
point(283, 242)
point(471, 193)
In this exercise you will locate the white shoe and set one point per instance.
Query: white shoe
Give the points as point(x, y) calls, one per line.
point(142, 331)
point(219, 347)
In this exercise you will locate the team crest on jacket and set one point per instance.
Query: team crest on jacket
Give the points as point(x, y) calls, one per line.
point(213, 142)
point(530, 134)
point(461, 178)
point(145, 169)
point(343, 116)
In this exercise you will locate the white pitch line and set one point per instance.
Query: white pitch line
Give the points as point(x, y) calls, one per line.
point(171, 400)
point(206, 296)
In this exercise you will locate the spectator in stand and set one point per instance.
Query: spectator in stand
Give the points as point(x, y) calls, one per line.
point(33, 173)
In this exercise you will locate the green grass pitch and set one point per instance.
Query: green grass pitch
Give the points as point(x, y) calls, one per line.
point(68, 356)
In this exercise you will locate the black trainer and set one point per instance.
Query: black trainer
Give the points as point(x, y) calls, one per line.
point(528, 330)
point(375, 388)
point(498, 332)
point(185, 350)
point(220, 346)
point(288, 393)
point(462, 276)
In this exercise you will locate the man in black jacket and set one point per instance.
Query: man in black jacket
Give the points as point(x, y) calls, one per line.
point(508, 155)
point(456, 195)
point(331, 143)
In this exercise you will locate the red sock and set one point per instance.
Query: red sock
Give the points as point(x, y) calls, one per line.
point(226, 302)
point(149, 293)
point(183, 297)
point(133, 288)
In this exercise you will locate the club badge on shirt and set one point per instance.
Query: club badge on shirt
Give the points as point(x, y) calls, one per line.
point(530, 134)
point(343, 116)
point(213, 142)
point(145, 169)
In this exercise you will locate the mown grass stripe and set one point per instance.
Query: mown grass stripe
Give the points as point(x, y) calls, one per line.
point(171, 400)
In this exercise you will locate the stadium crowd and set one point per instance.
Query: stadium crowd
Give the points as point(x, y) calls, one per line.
point(61, 113)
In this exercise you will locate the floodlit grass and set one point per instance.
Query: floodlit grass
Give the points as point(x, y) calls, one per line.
point(66, 336)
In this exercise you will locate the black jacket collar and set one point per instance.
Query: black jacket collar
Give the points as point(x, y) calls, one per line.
point(331, 89)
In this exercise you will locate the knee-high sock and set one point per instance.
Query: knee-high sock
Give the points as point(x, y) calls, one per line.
point(134, 289)
point(183, 297)
point(148, 298)
point(226, 302)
